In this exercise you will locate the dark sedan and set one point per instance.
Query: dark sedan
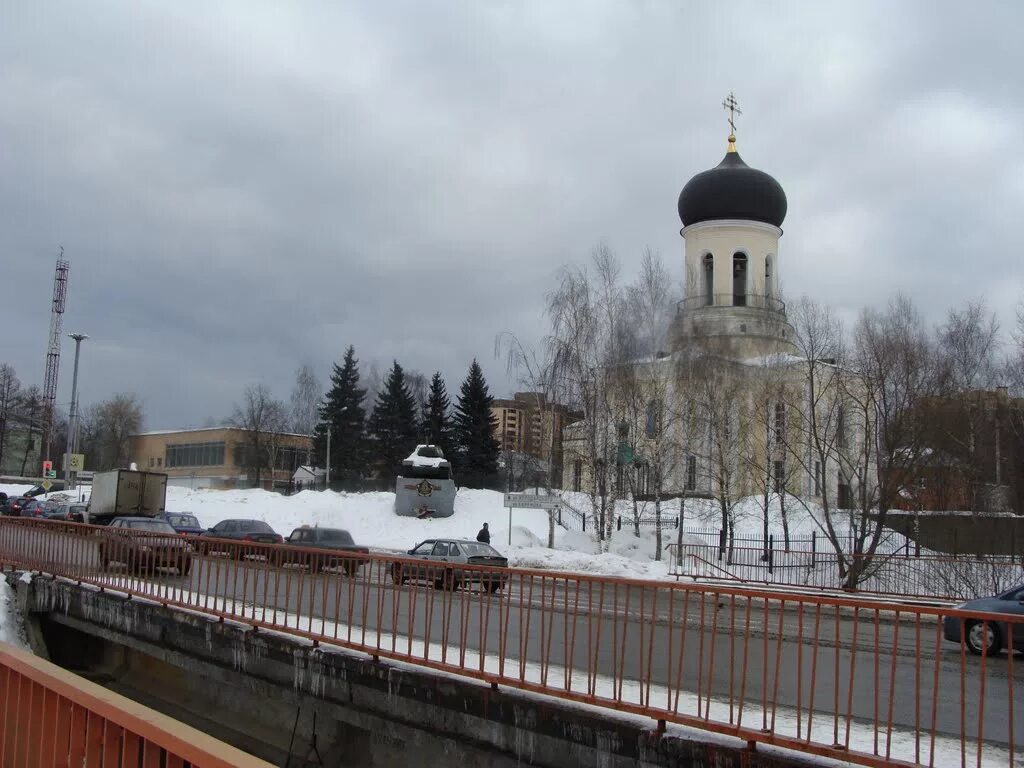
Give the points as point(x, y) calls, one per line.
point(183, 523)
point(14, 504)
point(246, 531)
point(143, 544)
point(988, 637)
point(333, 539)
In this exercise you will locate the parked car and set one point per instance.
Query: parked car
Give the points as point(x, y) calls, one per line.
point(255, 531)
point(333, 539)
point(158, 546)
point(183, 522)
point(441, 558)
point(988, 637)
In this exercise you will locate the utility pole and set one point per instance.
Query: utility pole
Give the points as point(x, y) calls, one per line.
point(73, 418)
point(327, 476)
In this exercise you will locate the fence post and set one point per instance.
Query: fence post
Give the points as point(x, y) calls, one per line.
point(814, 539)
point(559, 515)
point(677, 523)
point(618, 523)
point(771, 554)
point(721, 543)
point(584, 523)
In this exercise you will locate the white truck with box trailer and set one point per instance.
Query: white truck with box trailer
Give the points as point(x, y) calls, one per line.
point(126, 493)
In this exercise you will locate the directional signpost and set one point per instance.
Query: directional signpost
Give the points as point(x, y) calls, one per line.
point(531, 501)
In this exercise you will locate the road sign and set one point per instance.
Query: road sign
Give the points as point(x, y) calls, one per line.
point(46, 485)
point(76, 462)
point(532, 501)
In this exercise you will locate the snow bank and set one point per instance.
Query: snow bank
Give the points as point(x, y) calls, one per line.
point(12, 630)
point(371, 521)
point(16, 490)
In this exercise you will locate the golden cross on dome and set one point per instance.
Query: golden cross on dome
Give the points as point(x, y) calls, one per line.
point(733, 107)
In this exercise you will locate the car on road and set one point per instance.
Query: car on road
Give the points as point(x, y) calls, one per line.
point(988, 637)
point(247, 531)
point(331, 539)
point(183, 522)
point(143, 544)
point(441, 559)
point(34, 508)
point(74, 513)
point(13, 505)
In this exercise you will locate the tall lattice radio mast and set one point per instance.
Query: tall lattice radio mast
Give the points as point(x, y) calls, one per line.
point(60, 294)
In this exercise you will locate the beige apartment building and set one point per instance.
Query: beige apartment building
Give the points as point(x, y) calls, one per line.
point(220, 457)
point(530, 425)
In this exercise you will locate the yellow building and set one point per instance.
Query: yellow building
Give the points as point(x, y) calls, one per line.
point(221, 457)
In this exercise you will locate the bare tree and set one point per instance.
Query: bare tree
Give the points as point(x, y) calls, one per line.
point(263, 418)
point(586, 313)
point(305, 400)
point(969, 345)
point(862, 420)
point(771, 410)
point(651, 309)
point(419, 387)
point(116, 420)
point(722, 401)
point(10, 388)
point(30, 410)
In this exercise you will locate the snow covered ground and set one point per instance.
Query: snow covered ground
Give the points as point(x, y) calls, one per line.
point(370, 519)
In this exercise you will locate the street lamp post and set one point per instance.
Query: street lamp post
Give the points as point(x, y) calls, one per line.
point(73, 417)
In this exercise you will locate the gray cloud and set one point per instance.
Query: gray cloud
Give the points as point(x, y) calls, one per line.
point(246, 188)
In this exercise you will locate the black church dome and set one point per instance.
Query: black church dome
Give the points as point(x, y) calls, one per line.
point(732, 190)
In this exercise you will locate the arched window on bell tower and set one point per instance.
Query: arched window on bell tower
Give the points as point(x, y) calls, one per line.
point(739, 279)
point(709, 280)
point(769, 289)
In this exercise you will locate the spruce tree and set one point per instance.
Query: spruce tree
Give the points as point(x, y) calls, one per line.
point(393, 424)
point(477, 447)
point(436, 423)
point(343, 410)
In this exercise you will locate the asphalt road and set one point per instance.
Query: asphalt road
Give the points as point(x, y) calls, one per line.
point(725, 646)
point(729, 648)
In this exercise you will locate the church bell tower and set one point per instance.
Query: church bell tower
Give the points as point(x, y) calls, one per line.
point(732, 216)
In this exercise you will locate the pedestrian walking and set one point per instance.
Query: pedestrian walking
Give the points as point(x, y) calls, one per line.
point(484, 537)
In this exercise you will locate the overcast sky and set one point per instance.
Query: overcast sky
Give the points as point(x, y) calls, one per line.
point(247, 188)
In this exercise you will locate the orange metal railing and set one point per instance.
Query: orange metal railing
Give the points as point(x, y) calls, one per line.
point(52, 717)
point(863, 680)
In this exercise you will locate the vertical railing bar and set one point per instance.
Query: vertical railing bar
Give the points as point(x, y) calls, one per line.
point(747, 617)
point(814, 669)
point(650, 646)
point(778, 660)
point(700, 652)
point(892, 685)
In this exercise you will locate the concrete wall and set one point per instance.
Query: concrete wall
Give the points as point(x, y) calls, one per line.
point(276, 696)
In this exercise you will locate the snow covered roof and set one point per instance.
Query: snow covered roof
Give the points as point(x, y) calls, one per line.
point(206, 429)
